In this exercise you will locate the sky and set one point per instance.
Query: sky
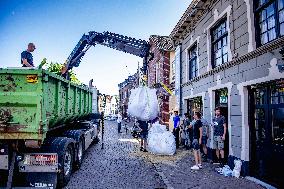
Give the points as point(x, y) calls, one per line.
point(55, 27)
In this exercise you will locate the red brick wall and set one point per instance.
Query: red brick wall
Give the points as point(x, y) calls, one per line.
point(162, 60)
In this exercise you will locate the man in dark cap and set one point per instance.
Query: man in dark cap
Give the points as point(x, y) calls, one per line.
point(27, 57)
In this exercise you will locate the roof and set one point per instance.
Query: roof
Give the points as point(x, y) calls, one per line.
point(162, 42)
point(130, 79)
point(189, 18)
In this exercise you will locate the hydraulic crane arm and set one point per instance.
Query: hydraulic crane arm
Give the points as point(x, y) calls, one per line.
point(118, 42)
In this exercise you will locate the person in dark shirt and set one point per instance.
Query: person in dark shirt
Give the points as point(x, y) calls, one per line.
point(143, 134)
point(187, 130)
point(197, 134)
point(220, 129)
point(27, 57)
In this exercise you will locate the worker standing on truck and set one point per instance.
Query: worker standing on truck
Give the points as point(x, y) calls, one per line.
point(27, 57)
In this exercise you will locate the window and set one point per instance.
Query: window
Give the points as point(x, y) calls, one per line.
point(269, 20)
point(157, 72)
point(192, 62)
point(173, 70)
point(219, 39)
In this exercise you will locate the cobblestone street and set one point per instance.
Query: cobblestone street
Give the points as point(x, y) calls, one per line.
point(112, 167)
point(121, 165)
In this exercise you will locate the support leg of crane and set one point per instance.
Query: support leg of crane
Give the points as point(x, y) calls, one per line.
point(11, 171)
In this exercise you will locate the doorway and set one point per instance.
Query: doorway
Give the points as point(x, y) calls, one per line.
point(267, 132)
point(221, 101)
point(194, 104)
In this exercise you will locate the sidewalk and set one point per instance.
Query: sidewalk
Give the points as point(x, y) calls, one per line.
point(181, 176)
point(176, 173)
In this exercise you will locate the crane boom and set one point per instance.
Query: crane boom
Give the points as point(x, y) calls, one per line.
point(115, 41)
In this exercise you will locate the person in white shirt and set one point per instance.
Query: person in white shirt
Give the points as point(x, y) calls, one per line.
point(119, 119)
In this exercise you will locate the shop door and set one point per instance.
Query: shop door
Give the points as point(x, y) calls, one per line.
point(221, 101)
point(267, 132)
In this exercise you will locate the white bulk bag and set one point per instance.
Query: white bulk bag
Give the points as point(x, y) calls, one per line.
point(160, 141)
point(143, 103)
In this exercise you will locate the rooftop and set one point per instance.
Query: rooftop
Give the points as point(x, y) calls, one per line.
point(189, 18)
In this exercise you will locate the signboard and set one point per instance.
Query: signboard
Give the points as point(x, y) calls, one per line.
point(223, 99)
point(177, 75)
point(166, 88)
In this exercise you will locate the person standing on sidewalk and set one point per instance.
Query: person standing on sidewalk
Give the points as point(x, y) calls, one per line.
point(119, 119)
point(219, 134)
point(205, 136)
point(176, 120)
point(197, 137)
point(186, 124)
point(143, 134)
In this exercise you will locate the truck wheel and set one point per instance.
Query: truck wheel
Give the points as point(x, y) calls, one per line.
point(80, 153)
point(66, 160)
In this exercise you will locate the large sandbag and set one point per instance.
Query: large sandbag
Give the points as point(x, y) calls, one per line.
point(160, 141)
point(157, 128)
point(143, 103)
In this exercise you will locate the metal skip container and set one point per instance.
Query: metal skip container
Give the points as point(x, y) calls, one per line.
point(34, 101)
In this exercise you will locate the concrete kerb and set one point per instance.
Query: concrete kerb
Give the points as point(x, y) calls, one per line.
point(257, 181)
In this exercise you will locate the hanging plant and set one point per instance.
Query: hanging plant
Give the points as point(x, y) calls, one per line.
point(223, 92)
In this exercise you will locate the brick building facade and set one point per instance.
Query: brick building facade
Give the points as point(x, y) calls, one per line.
point(159, 72)
point(124, 92)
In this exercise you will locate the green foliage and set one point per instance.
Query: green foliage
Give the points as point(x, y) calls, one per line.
point(74, 79)
point(43, 62)
point(56, 68)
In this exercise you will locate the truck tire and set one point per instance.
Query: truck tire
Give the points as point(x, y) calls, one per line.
point(80, 153)
point(66, 160)
point(64, 147)
point(78, 136)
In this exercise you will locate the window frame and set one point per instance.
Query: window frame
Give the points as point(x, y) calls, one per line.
point(190, 59)
point(256, 11)
point(213, 42)
point(173, 67)
point(157, 72)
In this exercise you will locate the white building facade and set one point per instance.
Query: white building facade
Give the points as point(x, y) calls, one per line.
point(231, 58)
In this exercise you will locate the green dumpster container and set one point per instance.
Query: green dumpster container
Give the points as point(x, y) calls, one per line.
point(34, 101)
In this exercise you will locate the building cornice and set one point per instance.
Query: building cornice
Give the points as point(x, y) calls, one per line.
point(163, 43)
point(189, 19)
point(253, 54)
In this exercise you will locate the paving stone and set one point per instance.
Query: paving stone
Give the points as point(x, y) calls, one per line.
point(121, 165)
point(112, 167)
